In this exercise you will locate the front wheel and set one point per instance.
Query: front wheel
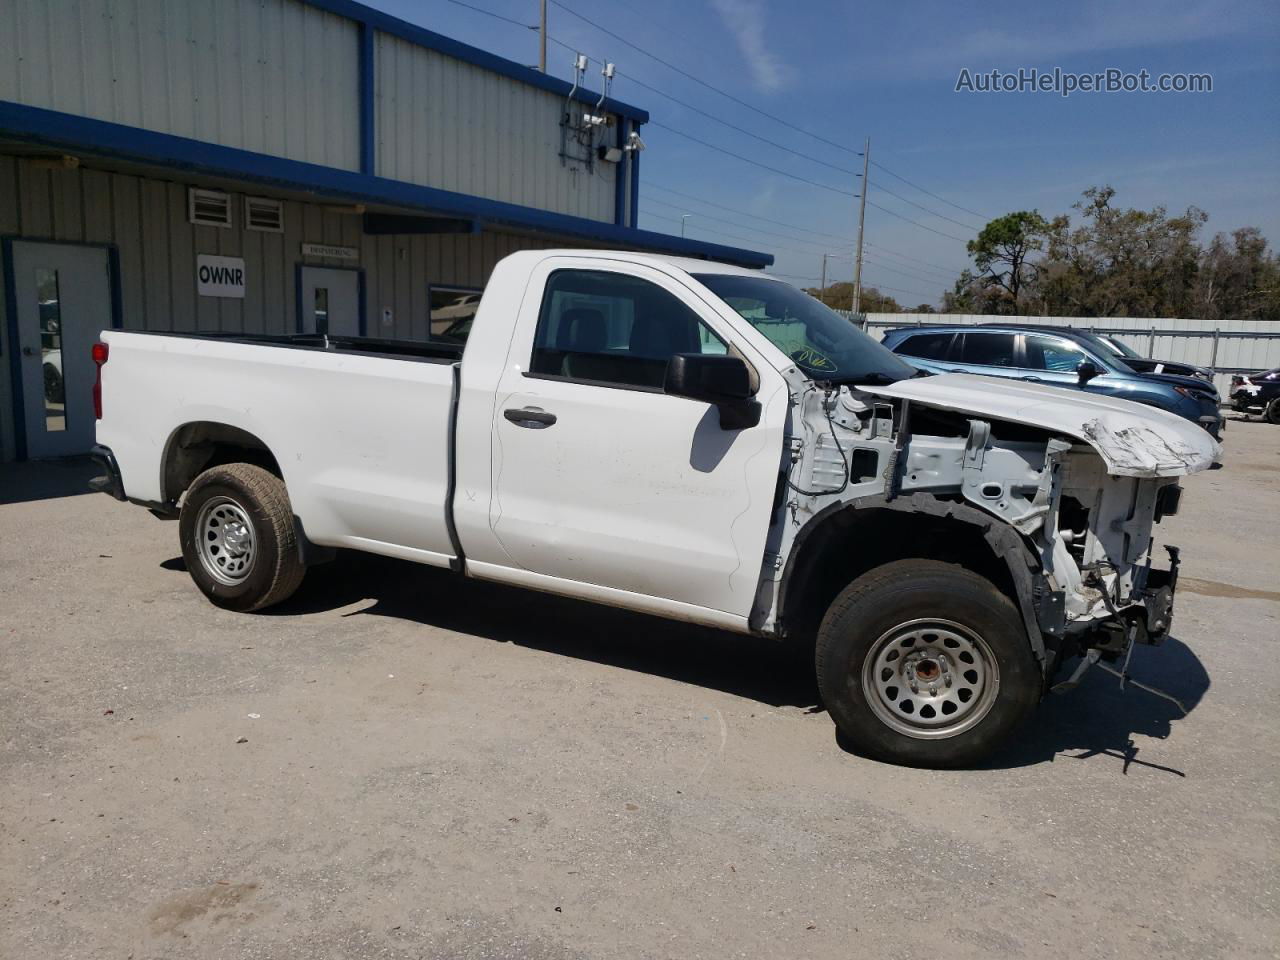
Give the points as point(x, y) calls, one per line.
point(1272, 411)
point(238, 537)
point(925, 664)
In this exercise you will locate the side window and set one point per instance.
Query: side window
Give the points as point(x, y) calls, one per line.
point(988, 349)
point(612, 328)
point(927, 346)
point(1056, 356)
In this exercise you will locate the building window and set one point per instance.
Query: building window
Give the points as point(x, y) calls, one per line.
point(263, 213)
point(452, 311)
point(209, 208)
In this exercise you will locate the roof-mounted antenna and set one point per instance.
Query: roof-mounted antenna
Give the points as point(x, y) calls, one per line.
point(607, 73)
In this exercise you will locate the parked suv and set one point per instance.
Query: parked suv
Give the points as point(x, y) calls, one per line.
point(1257, 393)
point(1055, 357)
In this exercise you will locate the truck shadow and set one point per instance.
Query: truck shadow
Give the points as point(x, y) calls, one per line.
point(1095, 721)
point(750, 667)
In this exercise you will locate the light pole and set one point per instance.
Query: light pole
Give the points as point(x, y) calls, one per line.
point(683, 218)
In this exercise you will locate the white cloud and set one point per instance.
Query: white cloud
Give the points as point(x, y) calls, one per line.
point(745, 20)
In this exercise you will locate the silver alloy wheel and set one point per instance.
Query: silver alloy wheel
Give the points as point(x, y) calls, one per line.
point(930, 679)
point(225, 540)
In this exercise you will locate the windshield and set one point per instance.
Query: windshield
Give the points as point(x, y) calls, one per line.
point(822, 343)
point(1120, 347)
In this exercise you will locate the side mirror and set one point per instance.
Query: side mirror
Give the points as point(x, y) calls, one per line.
point(721, 380)
point(1086, 370)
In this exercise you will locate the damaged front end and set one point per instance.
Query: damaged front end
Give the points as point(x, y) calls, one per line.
point(1065, 487)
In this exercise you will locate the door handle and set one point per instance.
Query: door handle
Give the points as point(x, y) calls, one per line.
point(1032, 379)
point(28, 352)
point(534, 418)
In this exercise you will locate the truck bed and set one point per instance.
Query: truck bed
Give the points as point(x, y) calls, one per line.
point(370, 346)
point(361, 425)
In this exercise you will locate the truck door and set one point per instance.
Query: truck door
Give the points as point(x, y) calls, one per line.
point(600, 477)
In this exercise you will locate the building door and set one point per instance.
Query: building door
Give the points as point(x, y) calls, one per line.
point(330, 301)
point(63, 299)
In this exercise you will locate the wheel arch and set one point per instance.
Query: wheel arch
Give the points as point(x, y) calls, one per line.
point(200, 444)
point(848, 539)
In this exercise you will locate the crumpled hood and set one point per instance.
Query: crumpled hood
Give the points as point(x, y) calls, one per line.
point(1133, 440)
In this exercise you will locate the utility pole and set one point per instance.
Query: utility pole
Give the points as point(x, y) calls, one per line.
point(862, 216)
point(823, 298)
point(683, 218)
point(542, 39)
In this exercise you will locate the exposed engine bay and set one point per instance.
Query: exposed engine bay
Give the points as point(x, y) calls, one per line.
point(1076, 506)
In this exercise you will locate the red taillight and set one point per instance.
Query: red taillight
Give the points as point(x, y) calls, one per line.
point(100, 354)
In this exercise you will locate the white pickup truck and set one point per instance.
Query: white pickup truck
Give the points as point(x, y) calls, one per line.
point(691, 440)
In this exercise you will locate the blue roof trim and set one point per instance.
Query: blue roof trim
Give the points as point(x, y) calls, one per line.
point(74, 133)
point(465, 52)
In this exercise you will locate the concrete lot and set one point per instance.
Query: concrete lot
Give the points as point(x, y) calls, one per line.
point(436, 768)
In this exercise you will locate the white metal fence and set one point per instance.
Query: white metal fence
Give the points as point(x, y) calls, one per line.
point(1238, 346)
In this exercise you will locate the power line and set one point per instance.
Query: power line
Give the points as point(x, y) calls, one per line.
point(743, 213)
point(776, 119)
point(757, 163)
point(949, 236)
point(710, 146)
point(980, 216)
point(918, 206)
point(734, 126)
point(881, 265)
point(490, 13)
point(684, 73)
point(698, 214)
point(902, 256)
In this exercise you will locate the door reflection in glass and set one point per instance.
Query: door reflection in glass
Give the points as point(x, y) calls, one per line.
point(55, 389)
point(322, 310)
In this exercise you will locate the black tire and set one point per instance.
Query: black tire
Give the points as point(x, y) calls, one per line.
point(946, 612)
point(1272, 413)
point(270, 569)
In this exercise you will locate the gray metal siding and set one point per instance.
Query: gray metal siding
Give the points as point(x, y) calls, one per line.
point(269, 76)
point(146, 219)
point(444, 123)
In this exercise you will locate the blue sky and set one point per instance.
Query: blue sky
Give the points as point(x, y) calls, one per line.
point(847, 71)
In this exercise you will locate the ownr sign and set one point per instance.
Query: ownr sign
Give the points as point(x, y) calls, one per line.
point(219, 276)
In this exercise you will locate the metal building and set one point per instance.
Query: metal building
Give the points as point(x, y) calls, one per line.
point(274, 166)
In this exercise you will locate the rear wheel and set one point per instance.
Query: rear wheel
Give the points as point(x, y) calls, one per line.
point(925, 664)
point(238, 537)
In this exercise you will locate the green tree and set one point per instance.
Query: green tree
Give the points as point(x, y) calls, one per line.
point(1002, 252)
point(839, 296)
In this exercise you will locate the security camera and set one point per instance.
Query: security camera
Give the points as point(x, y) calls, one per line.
point(634, 143)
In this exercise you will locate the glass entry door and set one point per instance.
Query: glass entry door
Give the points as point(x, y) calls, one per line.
point(63, 295)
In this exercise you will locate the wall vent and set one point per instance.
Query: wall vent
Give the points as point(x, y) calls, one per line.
point(209, 208)
point(261, 213)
